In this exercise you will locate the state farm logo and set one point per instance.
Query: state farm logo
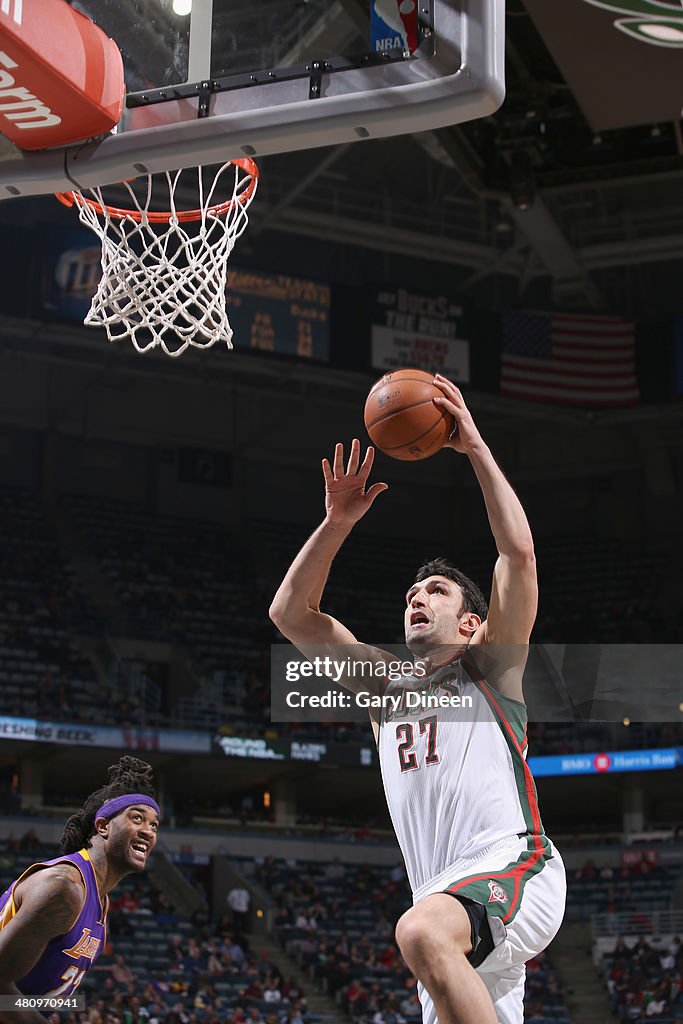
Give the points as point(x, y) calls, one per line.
point(602, 762)
point(657, 22)
point(25, 109)
point(388, 397)
point(15, 7)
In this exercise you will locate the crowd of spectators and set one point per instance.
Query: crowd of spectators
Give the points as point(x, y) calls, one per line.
point(632, 891)
point(211, 974)
point(182, 582)
point(645, 983)
point(338, 920)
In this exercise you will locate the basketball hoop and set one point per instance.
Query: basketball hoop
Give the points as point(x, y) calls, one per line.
point(164, 273)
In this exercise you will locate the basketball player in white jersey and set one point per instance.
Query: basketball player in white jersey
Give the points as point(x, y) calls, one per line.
point(488, 885)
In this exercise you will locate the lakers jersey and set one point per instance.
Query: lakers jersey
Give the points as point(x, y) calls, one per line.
point(67, 957)
point(456, 779)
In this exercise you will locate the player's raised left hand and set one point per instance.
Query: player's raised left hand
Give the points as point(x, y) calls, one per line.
point(346, 497)
point(465, 437)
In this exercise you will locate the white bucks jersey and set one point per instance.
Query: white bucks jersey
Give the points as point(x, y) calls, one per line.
point(456, 779)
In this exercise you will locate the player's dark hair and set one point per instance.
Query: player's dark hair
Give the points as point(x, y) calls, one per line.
point(472, 598)
point(128, 775)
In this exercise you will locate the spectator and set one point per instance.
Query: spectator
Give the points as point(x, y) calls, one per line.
point(239, 901)
point(205, 997)
point(254, 989)
point(129, 903)
point(621, 950)
point(122, 974)
point(234, 950)
point(174, 950)
point(667, 960)
point(398, 873)
point(193, 961)
point(215, 966)
point(306, 923)
point(410, 1005)
point(292, 990)
point(295, 1014)
point(335, 870)
point(588, 871)
point(271, 992)
point(29, 842)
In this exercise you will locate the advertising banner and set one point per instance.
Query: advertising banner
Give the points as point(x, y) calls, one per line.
point(610, 761)
point(419, 330)
point(33, 730)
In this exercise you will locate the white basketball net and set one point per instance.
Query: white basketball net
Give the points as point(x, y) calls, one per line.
point(164, 284)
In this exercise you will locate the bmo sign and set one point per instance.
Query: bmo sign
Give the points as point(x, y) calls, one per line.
point(602, 762)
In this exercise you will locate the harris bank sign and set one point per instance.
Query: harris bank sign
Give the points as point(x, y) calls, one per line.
point(623, 59)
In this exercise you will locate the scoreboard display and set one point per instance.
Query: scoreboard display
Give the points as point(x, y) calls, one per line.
point(278, 313)
point(272, 312)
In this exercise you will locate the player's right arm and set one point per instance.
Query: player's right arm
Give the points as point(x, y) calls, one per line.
point(295, 609)
point(48, 903)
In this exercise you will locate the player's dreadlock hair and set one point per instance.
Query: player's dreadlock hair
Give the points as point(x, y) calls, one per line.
point(128, 775)
point(472, 598)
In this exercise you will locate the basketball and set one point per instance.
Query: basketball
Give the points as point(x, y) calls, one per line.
point(401, 418)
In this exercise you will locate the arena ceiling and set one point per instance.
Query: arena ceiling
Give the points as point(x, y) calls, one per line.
point(532, 196)
point(532, 205)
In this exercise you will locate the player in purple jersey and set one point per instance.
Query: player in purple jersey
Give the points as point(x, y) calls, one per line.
point(53, 917)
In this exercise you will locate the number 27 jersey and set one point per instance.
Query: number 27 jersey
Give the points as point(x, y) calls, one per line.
point(456, 779)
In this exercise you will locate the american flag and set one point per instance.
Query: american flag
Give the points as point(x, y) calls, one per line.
point(569, 359)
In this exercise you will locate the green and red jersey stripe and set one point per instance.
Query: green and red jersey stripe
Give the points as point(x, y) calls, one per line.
point(523, 869)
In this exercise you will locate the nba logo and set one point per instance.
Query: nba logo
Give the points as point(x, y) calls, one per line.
point(394, 25)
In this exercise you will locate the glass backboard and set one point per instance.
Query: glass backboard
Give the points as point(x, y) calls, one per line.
point(209, 80)
point(174, 42)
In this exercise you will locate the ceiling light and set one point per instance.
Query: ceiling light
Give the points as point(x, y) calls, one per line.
point(182, 7)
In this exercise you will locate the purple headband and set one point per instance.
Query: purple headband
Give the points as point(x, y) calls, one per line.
point(119, 803)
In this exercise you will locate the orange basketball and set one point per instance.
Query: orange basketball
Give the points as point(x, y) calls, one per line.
point(401, 418)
